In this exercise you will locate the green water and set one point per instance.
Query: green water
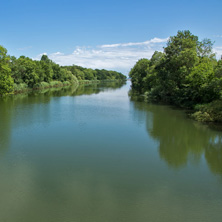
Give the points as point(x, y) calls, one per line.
point(95, 155)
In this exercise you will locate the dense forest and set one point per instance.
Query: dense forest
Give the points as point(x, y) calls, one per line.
point(186, 74)
point(24, 73)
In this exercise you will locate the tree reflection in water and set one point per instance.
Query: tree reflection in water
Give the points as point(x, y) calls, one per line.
point(181, 140)
point(27, 108)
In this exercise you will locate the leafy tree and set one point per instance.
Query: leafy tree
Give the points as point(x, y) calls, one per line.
point(202, 85)
point(89, 74)
point(186, 73)
point(6, 81)
point(181, 57)
point(218, 69)
point(25, 72)
point(48, 71)
point(56, 72)
point(205, 48)
point(45, 59)
point(138, 73)
point(157, 58)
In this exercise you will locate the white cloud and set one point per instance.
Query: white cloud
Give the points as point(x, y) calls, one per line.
point(149, 42)
point(218, 51)
point(57, 53)
point(120, 57)
point(24, 48)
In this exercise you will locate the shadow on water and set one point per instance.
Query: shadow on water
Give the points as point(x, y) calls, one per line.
point(31, 106)
point(181, 140)
point(5, 126)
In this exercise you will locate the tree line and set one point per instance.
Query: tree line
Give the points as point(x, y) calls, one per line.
point(19, 74)
point(186, 74)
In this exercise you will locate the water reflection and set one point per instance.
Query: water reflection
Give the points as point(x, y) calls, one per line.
point(181, 140)
point(5, 125)
point(27, 109)
point(86, 158)
point(213, 155)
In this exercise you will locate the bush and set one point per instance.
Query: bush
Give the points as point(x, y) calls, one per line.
point(20, 87)
point(65, 83)
point(41, 85)
point(55, 84)
point(202, 116)
point(211, 112)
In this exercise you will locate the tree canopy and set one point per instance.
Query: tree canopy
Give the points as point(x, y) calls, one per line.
point(6, 81)
point(185, 74)
point(25, 72)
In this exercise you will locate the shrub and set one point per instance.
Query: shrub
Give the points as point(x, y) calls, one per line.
point(55, 84)
point(41, 85)
point(20, 87)
point(210, 112)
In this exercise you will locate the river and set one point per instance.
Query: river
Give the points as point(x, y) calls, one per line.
point(94, 154)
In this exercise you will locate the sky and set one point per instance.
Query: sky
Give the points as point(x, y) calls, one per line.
point(102, 33)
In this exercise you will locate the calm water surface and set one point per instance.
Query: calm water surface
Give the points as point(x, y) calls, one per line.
point(95, 155)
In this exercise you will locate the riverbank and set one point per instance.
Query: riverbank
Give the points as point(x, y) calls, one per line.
point(210, 113)
point(23, 88)
point(90, 82)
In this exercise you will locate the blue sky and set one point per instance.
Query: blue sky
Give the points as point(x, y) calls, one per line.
point(103, 34)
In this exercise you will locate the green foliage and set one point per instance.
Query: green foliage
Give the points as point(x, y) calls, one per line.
point(20, 87)
point(205, 49)
point(6, 84)
point(218, 69)
point(184, 75)
point(41, 85)
point(203, 85)
point(73, 80)
point(24, 71)
point(89, 74)
point(24, 74)
point(181, 57)
point(47, 70)
point(138, 73)
point(211, 112)
point(6, 81)
point(45, 59)
point(55, 84)
point(65, 83)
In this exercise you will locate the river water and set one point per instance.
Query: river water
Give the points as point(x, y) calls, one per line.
point(96, 155)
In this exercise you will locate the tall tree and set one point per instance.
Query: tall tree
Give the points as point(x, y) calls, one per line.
point(138, 73)
point(6, 81)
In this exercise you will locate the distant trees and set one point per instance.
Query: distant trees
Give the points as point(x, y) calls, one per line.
point(97, 74)
point(21, 73)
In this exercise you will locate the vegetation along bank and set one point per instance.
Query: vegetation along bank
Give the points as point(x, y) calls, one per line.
point(24, 74)
point(187, 74)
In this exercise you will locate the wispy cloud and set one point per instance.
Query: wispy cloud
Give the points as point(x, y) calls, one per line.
point(146, 43)
point(218, 51)
point(24, 48)
point(218, 36)
point(120, 57)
